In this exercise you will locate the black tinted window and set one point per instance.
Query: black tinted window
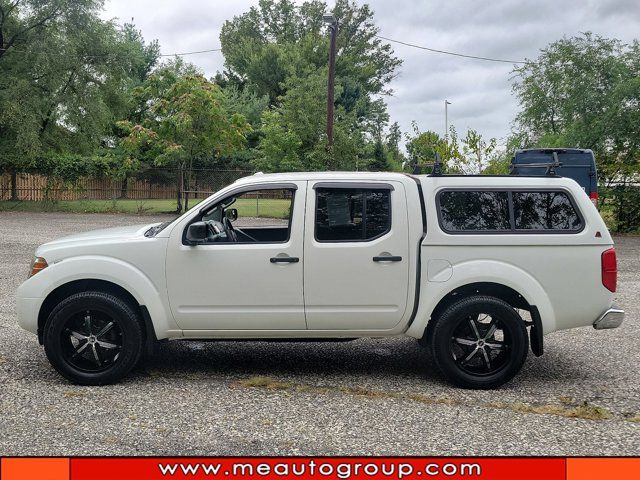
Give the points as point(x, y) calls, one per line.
point(352, 214)
point(544, 211)
point(474, 210)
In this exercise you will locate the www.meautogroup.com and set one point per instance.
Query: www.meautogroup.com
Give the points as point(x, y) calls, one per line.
point(341, 471)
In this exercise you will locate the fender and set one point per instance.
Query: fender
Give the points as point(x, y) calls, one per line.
point(475, 271)
point(114, 270)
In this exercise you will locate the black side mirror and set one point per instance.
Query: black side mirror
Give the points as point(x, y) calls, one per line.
point(231, 214)
point(197, 233)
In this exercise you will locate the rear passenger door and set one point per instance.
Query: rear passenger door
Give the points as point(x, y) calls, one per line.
point(356, 255)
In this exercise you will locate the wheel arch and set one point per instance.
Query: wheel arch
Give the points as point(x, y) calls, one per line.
point(95, 285)
point(490, 277)
point(492, 289)
point(108, 274)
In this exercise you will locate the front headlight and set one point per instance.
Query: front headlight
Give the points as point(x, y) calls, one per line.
point(37, 265)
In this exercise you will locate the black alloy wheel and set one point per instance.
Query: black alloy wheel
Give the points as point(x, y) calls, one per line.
point(91, 341)
point(93, 338)
point(480, 345)
point(479, 342)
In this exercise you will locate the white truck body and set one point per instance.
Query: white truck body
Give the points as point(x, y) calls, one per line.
point(334, 289)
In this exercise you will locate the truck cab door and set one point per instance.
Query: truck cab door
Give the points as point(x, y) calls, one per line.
point(356, 255)
point(252, 281)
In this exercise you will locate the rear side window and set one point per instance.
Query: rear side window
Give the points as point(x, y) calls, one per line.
point(545, 211)
point(465, 210)
point(352, 214)
point(508, 211)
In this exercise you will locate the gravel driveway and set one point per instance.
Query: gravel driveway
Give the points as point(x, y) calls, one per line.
point(372, 396)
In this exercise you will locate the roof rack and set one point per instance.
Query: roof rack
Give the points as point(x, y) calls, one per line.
point(551, 166)
point(436, 167)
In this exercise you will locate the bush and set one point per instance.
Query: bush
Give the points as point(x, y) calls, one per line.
point(621, 205)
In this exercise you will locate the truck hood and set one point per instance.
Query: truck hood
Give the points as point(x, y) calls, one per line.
point(102, 235)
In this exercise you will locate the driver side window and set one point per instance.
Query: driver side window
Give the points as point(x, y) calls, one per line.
point(256, 216)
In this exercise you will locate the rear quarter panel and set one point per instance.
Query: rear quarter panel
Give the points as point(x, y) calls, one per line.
point(559, 273)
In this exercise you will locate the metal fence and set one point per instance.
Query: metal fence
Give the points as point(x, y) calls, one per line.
point(151, 184)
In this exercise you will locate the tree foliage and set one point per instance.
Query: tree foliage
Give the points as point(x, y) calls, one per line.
point(294, 133)
point(422, 148)
point(280, 50)
point(476, 153)
point(584, 92)
point(186, 119)
point(65, 78)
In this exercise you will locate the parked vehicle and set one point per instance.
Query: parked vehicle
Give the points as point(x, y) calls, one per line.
point(478, 268)
point(576, 163)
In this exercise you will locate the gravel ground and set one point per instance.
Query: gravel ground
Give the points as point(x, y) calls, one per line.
point(374, 396)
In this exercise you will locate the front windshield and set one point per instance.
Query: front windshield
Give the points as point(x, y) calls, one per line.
point(214, 214)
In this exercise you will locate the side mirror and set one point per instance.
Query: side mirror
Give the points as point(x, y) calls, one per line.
point(231, 214)
point(197, 233)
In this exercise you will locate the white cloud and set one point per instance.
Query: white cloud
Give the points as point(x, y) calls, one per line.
point(480, 92)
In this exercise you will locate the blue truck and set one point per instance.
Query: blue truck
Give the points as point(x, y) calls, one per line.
point(576, 163)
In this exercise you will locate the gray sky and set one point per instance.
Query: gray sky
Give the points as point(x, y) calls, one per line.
point(479, 91)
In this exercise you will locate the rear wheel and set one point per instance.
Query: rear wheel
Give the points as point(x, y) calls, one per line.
point(479, 342)
point(93, 338)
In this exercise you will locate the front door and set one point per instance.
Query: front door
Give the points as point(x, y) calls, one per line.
point(249, 278)
point(356, 255)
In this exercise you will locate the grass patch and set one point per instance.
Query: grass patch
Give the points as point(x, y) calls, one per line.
point(585, 411)
point(265, 382)
point(138, 207)
point(635, 418)
point(263, 208)
point(74, 394)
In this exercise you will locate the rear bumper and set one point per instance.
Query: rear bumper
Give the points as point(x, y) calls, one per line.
point(612, 318)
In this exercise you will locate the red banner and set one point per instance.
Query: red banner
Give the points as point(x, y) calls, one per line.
point(324, 468)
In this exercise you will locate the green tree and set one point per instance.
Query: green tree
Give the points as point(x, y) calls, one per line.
point(294, 135)
point(392, 144)
point(422, 148)
point(379, 162)
point(65, 77)
point(476, 152)
point(277, 39)
point(584, 92)
point(187, 120)
point(278, 46)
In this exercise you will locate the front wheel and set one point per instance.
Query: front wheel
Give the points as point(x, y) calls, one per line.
point(479, 342)
point(93, 338)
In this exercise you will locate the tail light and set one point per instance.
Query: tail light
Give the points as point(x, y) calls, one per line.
point(609, 269)
point(594, 198)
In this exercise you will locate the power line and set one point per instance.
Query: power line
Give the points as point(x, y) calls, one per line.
point(190, 53)
point(97, 55)
point(421, 47)
point(434, 50)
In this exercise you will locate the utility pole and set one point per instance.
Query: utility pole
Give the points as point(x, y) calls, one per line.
point(446, 120)
point(331, 21)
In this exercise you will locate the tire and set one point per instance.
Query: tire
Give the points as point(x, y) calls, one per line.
point(479, 342)
point(93, 338)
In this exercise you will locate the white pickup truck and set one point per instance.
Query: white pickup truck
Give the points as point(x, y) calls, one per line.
point(478, 268)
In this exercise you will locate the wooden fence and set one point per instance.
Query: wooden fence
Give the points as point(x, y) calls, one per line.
point(33, 187)
point(38, 187)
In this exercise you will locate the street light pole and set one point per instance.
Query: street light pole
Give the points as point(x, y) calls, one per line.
point(333, 27)
point(446, 120)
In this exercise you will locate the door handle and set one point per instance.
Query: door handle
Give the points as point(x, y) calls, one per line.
point(284, 259)
point(387, 258)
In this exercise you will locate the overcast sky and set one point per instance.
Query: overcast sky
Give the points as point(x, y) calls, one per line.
point(479, 92)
